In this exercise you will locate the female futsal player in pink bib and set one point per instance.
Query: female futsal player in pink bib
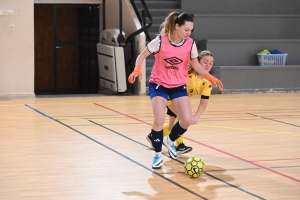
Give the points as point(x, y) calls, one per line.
point(173, 50)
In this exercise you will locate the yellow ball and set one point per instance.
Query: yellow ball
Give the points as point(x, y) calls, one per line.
point(194, 167)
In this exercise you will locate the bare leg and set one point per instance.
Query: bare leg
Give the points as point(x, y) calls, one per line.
point(158, 109)
point(183, 109)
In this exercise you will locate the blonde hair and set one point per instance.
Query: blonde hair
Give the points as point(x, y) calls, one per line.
point(169, 25)
point(200, 57)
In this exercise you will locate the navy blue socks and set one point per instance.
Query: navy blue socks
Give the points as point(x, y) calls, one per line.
point(176, 132)
point(157, 140)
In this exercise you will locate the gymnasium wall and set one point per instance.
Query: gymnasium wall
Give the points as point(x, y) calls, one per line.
point(241, 6)
point(130, 24)
point(17, 42)
point(236, 30)
point(17, 48)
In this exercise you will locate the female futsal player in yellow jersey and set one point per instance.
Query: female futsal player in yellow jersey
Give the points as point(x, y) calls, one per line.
point(195, 86)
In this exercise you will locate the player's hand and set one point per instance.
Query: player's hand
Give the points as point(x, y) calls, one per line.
point(194, 120)
point(137, 72)
point(214, 81)
point(219, 84)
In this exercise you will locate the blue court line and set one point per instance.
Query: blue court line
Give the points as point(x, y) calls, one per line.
point(143, 166)
point(236, 187)
point(39, 112)
point(158, 174)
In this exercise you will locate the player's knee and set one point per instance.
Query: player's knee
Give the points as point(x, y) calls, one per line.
point(158, 123)
point(185, 123)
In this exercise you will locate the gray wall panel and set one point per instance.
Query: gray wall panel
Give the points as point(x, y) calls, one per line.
point(247, 26)
point(241, 6)
point(243, 52)
point(241, 79)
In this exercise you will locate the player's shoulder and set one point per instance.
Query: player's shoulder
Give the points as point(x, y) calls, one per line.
point(204, 83)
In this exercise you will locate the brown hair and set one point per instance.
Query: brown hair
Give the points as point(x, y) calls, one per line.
point(200, 56)
point(168, 26)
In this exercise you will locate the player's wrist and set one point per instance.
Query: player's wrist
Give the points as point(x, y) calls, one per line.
point(137, 68)
point(208, 76)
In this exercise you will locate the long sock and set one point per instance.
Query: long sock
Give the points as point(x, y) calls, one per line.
point(166, 129)
point(179, 140)
point(157, 139)
point(176, 132)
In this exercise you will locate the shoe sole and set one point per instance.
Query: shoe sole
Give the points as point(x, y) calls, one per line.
point(185, 151)
point(158, 166)
point(148, 139)
point(172, 155)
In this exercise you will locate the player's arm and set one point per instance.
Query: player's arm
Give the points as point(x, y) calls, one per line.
point(201, 107)
point(152, 47)
point(202, 72)
point(138, 66)
point(142, 56)
point(198, 68)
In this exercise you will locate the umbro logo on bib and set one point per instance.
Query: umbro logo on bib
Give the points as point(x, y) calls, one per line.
point(173, 61)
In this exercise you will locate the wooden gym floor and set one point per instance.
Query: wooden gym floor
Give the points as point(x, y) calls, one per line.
point(94, 147)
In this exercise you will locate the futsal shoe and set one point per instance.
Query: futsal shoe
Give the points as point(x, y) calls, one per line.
point(149, 139)
point(181, 149)
point(157, 162)
point(172, 147)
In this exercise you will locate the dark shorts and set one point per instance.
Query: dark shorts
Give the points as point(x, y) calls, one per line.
point(167, 93)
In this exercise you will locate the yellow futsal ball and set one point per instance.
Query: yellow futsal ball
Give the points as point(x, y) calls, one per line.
point(194, 167)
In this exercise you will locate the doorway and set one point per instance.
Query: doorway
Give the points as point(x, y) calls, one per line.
point(66, 37)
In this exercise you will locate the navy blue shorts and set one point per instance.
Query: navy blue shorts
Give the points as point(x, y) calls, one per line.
point(167, 93)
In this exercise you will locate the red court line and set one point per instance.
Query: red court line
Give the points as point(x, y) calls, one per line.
point(224, 152)
point(123, 114)
point(276, 159)
point(248, 161)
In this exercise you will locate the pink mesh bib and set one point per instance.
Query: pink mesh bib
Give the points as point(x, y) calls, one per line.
point(171, 63)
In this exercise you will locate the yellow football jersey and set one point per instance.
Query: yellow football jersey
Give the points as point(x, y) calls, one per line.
point(196, 86)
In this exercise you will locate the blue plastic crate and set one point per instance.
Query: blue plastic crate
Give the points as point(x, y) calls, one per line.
point(271, 59)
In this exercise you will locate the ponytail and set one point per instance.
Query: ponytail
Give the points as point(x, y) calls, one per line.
point(169, 25)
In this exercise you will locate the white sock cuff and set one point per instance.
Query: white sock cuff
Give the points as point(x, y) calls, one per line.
point(169, 141)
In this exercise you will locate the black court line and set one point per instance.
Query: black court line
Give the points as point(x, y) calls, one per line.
point(224, 170)
point(246, 169)
point(135, 162)
point(124, 156)
point(211, 147)
point(236, 187)
point(272, 119)
point(285, 166)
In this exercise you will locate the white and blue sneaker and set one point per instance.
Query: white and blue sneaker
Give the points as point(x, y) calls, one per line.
point(157, 162)
point(171, 147)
